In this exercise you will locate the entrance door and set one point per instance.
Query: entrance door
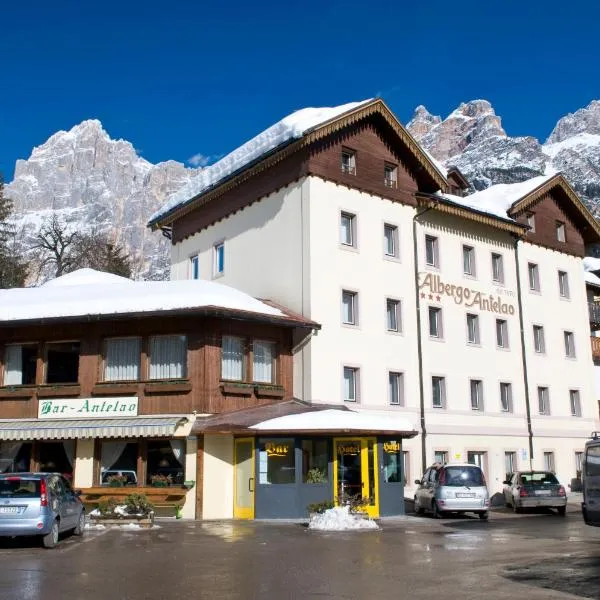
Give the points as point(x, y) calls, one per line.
point(243, 504)
point(355, 471)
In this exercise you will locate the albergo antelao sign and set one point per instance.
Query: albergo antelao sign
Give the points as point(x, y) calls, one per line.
point(86, 408)
point(464, 295)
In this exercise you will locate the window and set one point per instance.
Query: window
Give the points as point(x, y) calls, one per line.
point(549, 464)
point(350, 384)
point(534, 277)
point(506, 401)
point(396, 388)
point(431, 251)
point(348, 161)
point(118, 462)
point(531, 222)
point(560, 232)
point(122, 359)
point(390, 241)
point(440, 456)
point(20, 363)
point(168, 357)
point(15, 457)
point(390, 175)
point(539, 341)
point(62, 362)
point(405, 467)
point(497, 268)
point(435, 322)
point(575, 403)
point(263, 364)
point(510, 463)
point(501, 333)
point(348, 229)
point(277, 461)
point(165, 462)
point(469, 260)
point(232, 358)
point(349, 308)
point(472, 329)
point(578, 464)
point(477, 458)
point(315, 461)
point(195, 267)
point(219, 259)
point(394, 321)
point(543, 401)
point(438, 392)
point(569, 344)
point(392, 461)
point(476, 394)
point(563, 284)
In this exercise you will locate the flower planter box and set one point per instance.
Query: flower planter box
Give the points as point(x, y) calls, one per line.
point(232, 389)
point(58, 391)
point(17, 392)
point(168, 388)
point(269, 391)
point(142, 522)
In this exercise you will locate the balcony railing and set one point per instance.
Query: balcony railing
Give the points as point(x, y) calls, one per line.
point(594, 310)
point(595, 347)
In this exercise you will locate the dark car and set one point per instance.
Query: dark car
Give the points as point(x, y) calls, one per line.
point(39, 504)
point(534, 489)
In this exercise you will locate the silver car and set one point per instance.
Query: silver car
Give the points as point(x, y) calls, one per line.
point(39, 504)
point(533, 489)
point(452, 488)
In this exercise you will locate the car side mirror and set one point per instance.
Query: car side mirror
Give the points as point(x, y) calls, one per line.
point(418, 481)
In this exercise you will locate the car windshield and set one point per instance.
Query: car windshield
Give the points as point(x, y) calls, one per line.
point(538, 478)
point(15, 487)
point(459, 476)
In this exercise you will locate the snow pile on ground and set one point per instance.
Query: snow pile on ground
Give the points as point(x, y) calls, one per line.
point(340, 518)
point(94, 527)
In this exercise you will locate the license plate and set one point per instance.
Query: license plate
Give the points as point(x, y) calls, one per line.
point(543, 492)
point(463, 495)
point(12, 510)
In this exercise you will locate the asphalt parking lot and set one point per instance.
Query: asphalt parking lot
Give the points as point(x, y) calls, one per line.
point(537, 555)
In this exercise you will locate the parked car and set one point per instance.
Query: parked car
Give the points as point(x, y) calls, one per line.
point(125, 477)
point(590, 507)
point(452, 488)
point(39, 504)
point(532, 489)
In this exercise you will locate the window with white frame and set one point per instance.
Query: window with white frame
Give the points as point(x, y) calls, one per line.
point(539, 340)
point(476, 386)
point(560, 232)
point(502, 333)
point(440, 456)
point(569, 344)
point(497, 268)
point(549, 463)
point(232, 358)
point(405, 466)
point(195, 267)
point(578, 464)
point(390, 240)
point(534, 277)
point(393, 316)
point(390, 175)
point(20, 361)
point(219, 259)
point(438, 392)
point(436, 329)
point(396, 388)
point(575, 401)
point(531, 222)
point(469, 260)
point(122, 359)
point(348, 229)
point(349, 308)
point(263, 362)
point(348, 161)
point(351, 384)
point(473, 329)
point(432, 258)
point(510, 463)
point(563, 284)
point(168, 357)
point(506, 400)
point(543, 400)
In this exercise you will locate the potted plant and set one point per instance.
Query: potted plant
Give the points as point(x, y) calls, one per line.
point(116, 480)
point(178, 511)
point(316, 475)
point(159, 480)
point(135, 509)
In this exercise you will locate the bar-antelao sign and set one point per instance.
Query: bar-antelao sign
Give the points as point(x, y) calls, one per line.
point(86, 408)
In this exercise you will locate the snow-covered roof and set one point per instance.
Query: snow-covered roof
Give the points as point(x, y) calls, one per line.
point(93, 293)
point(591, 279)
point(294, 126)
point(591, 263)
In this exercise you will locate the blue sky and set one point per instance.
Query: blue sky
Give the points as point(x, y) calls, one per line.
point(183, 78)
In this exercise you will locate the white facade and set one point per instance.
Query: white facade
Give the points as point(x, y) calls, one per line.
point(287, 247)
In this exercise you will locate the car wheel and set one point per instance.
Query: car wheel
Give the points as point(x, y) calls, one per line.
point(418, 509)
point(484, 515)
point(561, 510)
point(516, 508)
point(435, 511)
point(80, 525)
point(51, 538)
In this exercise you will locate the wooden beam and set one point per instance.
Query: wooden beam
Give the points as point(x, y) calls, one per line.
point(200, 477)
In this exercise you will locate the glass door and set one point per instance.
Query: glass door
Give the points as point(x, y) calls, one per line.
point(355, 472)
point(243, 506)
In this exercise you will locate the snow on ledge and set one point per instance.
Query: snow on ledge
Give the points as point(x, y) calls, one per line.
point(340, 518)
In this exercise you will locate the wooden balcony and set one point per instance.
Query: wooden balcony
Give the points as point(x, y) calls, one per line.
point(595, 347)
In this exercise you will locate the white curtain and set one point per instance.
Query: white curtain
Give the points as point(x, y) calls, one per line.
point(122, 359)
point(232, 358)
point(13, 361)
point(168, 357)
point(69, 447)
point(111, 452)
point(178, 448)
point(263, 361)
point(8, 453)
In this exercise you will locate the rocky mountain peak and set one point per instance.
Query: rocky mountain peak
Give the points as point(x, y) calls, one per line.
point(422, 122)
point(584, 120)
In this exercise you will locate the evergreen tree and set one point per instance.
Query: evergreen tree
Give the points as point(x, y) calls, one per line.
point(13, 269)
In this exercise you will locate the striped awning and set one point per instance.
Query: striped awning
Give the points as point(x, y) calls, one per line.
point(64, 429)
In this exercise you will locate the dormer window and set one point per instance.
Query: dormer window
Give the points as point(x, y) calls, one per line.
point(348, 161)
point(390, 175)
point(531, 222)
point(560, 232)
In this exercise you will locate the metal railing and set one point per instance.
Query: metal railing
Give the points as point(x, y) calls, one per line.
point(594, 311)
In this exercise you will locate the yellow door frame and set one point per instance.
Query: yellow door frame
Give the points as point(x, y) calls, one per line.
point(243, 512)
point(372, 509)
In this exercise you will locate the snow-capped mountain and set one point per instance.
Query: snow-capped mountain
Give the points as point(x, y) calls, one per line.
point(472, 139)
point(95, 181)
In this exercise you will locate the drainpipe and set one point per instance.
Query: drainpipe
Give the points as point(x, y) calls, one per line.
point(523, 355)
point(419, 340)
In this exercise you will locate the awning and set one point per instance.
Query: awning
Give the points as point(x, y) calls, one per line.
point(61, 429)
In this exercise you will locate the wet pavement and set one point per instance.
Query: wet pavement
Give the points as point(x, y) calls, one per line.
point(538, 555)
